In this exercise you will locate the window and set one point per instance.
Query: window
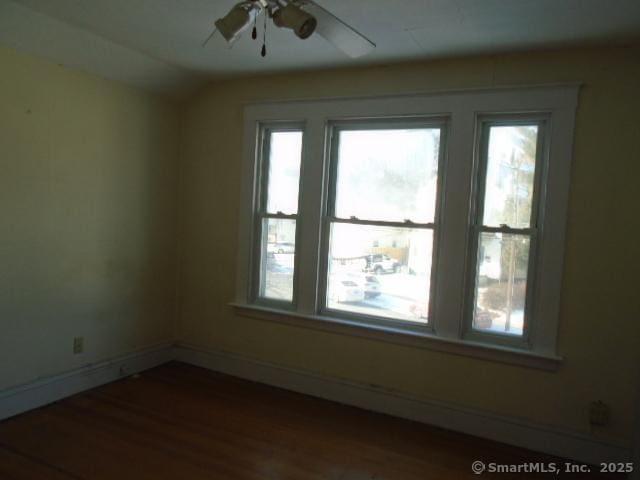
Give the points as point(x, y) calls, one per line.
point(434, 220)
point(505, 227)
point(381, 219)
point(278, 213)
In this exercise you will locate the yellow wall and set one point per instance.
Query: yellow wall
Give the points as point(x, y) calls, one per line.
point(88, 209)
point(600, 316)
point(87, 218)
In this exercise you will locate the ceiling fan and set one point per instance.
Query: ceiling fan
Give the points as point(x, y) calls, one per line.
point(304, 17)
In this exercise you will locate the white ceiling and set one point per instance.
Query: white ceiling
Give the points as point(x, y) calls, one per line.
point(157, 43)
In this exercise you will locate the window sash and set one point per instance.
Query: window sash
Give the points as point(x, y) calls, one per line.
point(384, 123)
point(477, 227)
point(366, 318)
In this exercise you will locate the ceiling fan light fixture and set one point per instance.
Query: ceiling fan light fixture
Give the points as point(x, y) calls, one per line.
point(291, 16)
point(237, 20)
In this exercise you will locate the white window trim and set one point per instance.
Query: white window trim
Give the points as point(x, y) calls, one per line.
point(463, 109)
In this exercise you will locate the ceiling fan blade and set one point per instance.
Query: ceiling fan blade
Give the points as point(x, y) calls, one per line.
point(338, 33)
point(213, 32)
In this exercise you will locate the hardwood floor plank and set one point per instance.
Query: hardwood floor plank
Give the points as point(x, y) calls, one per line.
point(14, 466)
point(182, 422)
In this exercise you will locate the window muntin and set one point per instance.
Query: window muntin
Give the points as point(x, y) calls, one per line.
point(281, 157)
point(381, 219)
point(505, 229)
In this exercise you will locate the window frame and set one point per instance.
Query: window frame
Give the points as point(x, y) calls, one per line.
point(329, 217)
point(463, 109)
point(261, 214)
point(477, 227)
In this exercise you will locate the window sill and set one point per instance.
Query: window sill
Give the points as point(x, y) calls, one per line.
point(400, 336)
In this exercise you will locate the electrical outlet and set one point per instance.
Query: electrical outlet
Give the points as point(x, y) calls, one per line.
point(599, 413)
point(78, 345)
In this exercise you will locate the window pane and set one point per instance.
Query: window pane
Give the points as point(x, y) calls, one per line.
point(278, 252)
point(510, 176)
point(388, 175)
point(501, 283)
point(380, 271)
point(285, 153)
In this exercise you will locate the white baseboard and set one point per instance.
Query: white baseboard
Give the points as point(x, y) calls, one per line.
point(42, 392)
point(541, 438)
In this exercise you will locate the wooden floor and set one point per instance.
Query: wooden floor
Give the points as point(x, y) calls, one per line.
point(182, 422)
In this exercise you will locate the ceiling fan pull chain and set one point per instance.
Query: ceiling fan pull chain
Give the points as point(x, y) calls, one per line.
point(254, 32)
point(263, 52)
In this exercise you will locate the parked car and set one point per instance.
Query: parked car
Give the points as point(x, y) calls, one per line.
point(371, 286)
point(344, 289)
point(281, 247)
point(369, 283)
point(381, 263)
